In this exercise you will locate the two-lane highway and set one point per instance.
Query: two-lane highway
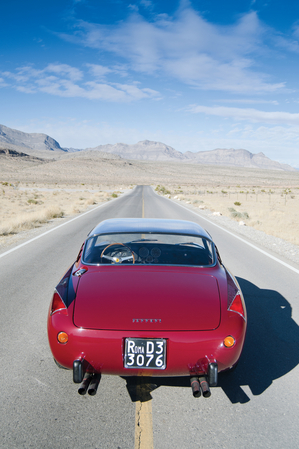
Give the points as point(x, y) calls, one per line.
point(254, 407)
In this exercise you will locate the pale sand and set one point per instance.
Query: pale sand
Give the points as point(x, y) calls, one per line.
point(32, 192)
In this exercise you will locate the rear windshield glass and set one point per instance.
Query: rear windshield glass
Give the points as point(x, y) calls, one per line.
point(159, 249)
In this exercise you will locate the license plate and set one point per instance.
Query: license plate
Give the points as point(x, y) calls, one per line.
point(145, 353)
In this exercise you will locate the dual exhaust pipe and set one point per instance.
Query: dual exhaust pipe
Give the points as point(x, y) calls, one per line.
point(89, 381)
point(198, 385)
point(89, 384)
point(202, 384)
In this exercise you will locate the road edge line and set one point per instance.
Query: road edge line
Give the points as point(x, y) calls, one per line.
point(57, 227)
point(237, 237)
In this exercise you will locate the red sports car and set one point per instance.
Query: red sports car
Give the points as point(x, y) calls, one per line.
point(147, 297)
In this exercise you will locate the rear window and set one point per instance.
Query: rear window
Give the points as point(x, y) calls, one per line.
point(147, 248)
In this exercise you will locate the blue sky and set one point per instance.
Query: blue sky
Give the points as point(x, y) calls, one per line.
point(196, 75)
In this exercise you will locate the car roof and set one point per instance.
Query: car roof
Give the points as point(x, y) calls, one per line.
point(149, 225)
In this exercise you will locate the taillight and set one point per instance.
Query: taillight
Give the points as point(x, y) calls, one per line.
point(235, 301)
point(58, 304)
point(237, 306)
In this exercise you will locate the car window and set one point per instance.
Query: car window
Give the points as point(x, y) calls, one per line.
point(149, 248)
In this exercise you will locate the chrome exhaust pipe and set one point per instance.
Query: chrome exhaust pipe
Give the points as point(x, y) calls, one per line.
point(204, 385)
point(85, 384)
point(94, 383)
point(194, 382)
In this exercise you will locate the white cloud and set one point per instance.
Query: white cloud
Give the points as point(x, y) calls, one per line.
point(98, 71)
point(26, 90)
point(137, 93)
point(66, 81)
point(186, 47)
point(147, 4)
point(251, 115)
point(65, 70)
point(291, 45)
point(296, 30)
point(3, 83)
point(133, 7)
point(247, 101)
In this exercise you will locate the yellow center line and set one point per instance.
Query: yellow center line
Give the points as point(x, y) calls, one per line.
point(142, 235)
point(142, 204)
point(144, 438)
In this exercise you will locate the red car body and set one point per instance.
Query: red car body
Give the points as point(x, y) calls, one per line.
point(159, 305)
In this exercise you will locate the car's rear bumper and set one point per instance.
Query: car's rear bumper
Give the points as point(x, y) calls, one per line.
point(187, 352)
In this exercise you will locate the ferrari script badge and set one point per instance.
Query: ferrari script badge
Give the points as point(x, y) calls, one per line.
point(146, 320)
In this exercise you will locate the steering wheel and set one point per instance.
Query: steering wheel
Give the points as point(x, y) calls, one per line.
point(118, 259)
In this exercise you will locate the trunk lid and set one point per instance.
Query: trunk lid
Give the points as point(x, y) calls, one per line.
point(147, 299)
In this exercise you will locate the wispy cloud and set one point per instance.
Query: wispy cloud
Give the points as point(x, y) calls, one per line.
point(186, 47)
point(247, 101)
point(66, 81)
point(286, 44)
point(273, 134)
point(65, 70)
point(251, 115)
point(133, 7)
point(296, 30)
point(148, 4)
point(98, 71)
point(3, 83)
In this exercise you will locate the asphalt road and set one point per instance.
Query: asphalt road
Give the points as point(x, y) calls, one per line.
point(257, 406)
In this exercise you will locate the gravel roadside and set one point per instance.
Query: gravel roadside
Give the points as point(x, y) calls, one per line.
point(275, 245)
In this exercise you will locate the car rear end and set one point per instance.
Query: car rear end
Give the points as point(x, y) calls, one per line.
point(195, 313)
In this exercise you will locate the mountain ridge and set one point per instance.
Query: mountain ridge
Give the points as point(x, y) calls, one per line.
point(33, 141)
point(42, 145)
point(220, 156)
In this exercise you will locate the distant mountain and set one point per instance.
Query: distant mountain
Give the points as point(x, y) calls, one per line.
point(157, 151)
point(14, 139)
point(41, 145)
point(236, 158)
point(142, 151)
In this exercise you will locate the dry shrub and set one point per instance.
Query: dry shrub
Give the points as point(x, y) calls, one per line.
point(76, 210)
point(276, 214)
point(91, 201)
point(23, 222)
point(53, 212)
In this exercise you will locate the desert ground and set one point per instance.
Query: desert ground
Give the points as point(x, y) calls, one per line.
point(34, 192)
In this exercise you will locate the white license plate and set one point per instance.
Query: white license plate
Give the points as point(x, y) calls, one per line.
point(145, 353)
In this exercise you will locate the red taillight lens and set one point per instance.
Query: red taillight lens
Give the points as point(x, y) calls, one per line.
point(234, 297)
point(237, 306)
point(58, 304)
